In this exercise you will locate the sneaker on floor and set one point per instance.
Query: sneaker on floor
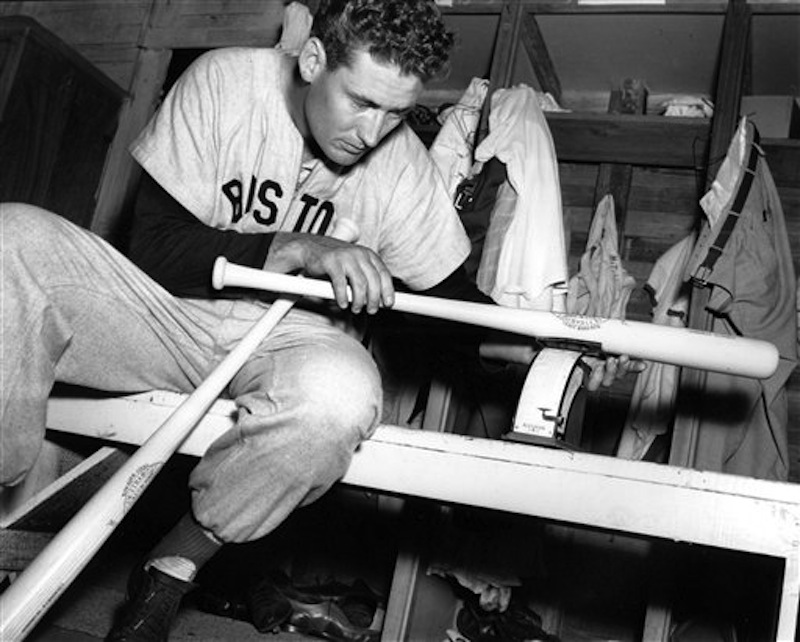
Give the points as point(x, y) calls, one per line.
point(148, 613)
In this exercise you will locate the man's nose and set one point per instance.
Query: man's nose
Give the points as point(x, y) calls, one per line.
point(371, 126)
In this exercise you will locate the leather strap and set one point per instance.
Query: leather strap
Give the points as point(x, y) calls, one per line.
point(704, 270)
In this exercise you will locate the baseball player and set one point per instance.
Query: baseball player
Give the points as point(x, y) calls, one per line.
point(254, 155)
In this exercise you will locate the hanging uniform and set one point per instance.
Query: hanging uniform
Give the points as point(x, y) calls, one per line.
point(744, 257)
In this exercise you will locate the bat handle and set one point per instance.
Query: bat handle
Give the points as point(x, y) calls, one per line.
point(344, 230)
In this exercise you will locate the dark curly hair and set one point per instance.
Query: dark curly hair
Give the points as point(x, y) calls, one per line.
point(406, 33)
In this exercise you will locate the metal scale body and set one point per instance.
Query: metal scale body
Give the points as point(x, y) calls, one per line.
point(551, 406)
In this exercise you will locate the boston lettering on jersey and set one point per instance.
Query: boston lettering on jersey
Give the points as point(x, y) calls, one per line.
point(259, 202)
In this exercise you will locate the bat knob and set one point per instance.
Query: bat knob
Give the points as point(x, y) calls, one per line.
point(218, 273)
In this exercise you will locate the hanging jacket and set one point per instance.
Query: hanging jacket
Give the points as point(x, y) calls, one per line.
point(743, 256)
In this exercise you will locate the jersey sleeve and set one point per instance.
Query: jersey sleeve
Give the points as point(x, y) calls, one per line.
point(178, 251)
point(181, 143)
point(424, 241)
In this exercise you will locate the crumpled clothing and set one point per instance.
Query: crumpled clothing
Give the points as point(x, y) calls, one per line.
point(602, 286)
point(548, 103)
point(493, 590)
point(727, 179)
point(525, 252)
point(688, 107)
point(452, 149)
point(297, 21)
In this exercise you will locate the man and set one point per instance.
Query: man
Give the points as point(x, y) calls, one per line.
point(253, 155)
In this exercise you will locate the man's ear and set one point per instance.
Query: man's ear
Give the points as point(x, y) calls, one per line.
point(312, 59)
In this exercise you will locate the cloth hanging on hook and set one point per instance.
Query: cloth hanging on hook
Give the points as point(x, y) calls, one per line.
point(453, 148)
point(652, 404)
point(743, 257)
point(297, 20)
point(524, 257)
point(602, 286)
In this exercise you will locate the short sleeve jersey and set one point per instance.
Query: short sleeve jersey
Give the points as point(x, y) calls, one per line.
point(224, 145)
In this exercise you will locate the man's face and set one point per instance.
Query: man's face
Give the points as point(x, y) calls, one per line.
point(350, 110)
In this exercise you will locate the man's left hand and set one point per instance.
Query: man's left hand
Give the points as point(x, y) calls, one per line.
point(604, 371)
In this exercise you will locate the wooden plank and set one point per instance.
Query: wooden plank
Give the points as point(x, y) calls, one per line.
point(577, 6)
point(502, 67)
point(205, 24)
point(728, 93)
point(659, 141)
point(49, 509)
point(20, 548)
point(131, 419)
point(105, 32)
point(615, 178)
point(783, 158)
point(733, 55)
point(120, 178)
point(536, 48)
point(668, 6)
point(642, 498)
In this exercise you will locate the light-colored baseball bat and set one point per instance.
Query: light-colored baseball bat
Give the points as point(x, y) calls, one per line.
point(29, 597)
point(648, 341)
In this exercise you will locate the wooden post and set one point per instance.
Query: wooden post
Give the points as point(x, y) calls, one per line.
point(733, 56)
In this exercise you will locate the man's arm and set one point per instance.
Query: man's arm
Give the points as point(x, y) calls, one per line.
point(178, 250)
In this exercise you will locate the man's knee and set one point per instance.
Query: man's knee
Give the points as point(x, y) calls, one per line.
point(345, 390)
point(23, 223)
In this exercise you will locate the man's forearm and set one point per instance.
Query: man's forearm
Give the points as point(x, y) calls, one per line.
point(177, 250)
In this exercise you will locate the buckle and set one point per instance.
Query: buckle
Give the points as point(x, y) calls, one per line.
point(700, 278)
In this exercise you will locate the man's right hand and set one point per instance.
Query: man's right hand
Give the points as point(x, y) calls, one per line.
point(346, 265)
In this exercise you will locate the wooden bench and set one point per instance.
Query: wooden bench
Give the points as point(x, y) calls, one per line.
point(641, 498)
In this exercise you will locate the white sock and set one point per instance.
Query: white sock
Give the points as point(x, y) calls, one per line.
point(174, 566)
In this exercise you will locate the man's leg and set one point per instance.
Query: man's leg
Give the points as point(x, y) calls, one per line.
point(306, 400)
point(75, 310)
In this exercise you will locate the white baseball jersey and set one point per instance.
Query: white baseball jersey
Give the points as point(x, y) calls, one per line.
point(224, 145)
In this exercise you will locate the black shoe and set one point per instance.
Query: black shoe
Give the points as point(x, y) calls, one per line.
point(148, 613)
point(267, 603)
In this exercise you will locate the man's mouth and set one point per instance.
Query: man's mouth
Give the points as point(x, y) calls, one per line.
point(353, 149)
